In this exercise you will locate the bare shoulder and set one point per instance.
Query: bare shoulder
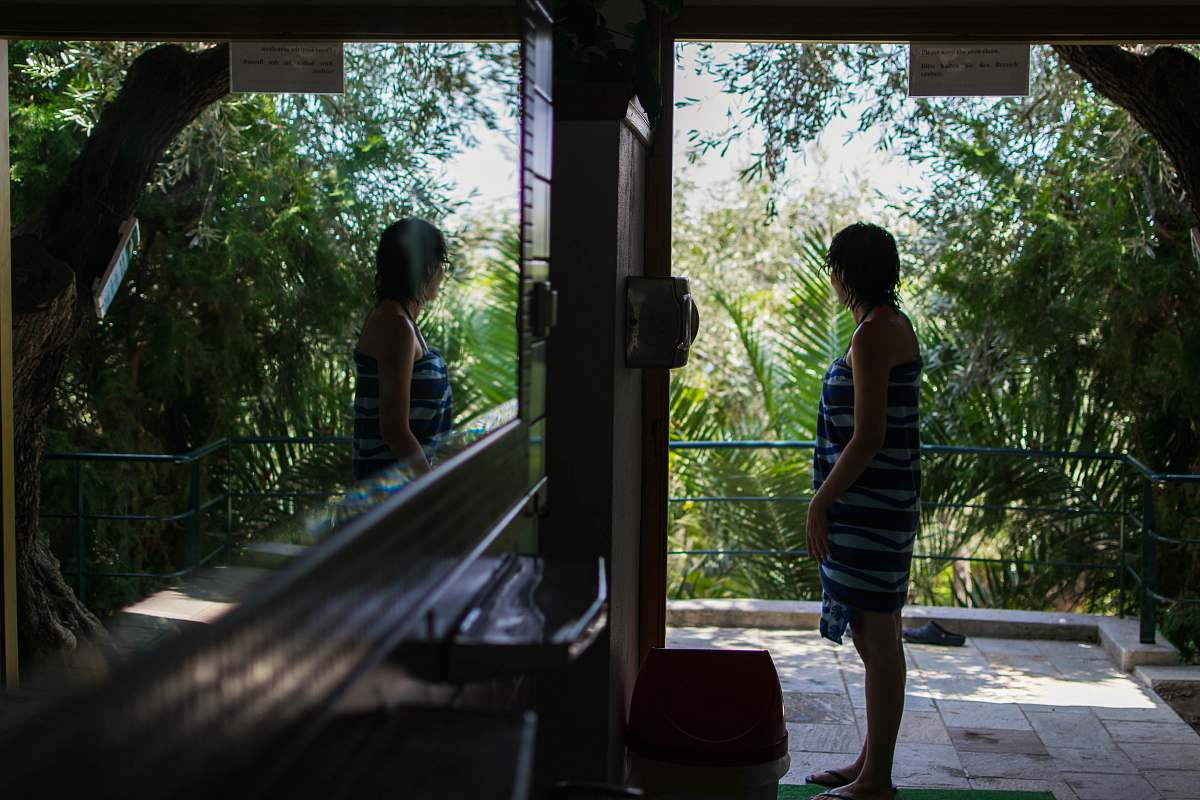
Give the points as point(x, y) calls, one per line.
point(885, 339)
point(387, 335)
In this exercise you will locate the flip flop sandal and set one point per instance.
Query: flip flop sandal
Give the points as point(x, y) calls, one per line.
point(838, 776)
point(836, 796)
point(932, 633)
point(842, 779)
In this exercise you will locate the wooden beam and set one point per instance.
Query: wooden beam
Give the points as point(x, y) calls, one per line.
point(8, 524)
point(656, 383)
point(191, 21)
point(903, 23)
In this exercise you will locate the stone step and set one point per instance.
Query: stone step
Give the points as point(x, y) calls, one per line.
point(1118, 636)
point(268, 555)
point(1121, 638)
point(1178, 686)
point(198, 599)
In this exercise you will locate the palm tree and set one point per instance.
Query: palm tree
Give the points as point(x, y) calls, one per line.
point(784, 344)
point(785, 347)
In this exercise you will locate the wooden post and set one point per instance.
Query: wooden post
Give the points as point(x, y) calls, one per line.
point(656, 383)
point(593, 413)
point(8, 524)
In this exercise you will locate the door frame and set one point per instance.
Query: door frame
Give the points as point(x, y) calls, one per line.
point(1065, 21)
point(800, 21)
point(8, 533)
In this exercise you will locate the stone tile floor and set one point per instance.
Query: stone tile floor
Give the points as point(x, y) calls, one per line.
point(995, 714)
point(198, 599)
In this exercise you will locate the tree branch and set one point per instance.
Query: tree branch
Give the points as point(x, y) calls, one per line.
point(165, 89)
point(1159, 90)
point(55, 260)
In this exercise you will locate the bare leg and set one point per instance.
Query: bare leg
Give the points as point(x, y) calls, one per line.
point(877, 639)
point(847, 774)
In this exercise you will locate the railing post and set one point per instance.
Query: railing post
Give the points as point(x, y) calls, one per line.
point(80, 534)
point(228, 522)
point(1149, 615)
point(227, 548)
point(192, 545)
point(1124, 559)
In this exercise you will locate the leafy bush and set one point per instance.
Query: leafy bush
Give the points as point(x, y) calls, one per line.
point(1050, 278)
point(1181, 627)
point(254, 274)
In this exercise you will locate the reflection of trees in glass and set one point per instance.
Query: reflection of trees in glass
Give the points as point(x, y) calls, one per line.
point(259, 225)
point(473, 321)
point(473, 325)
point(1052, 283)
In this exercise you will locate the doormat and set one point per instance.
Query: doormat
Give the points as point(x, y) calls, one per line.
point(790, 792)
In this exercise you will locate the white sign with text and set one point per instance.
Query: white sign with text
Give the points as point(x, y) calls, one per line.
point(968, 70)
point(287, 67)
point(104, 288)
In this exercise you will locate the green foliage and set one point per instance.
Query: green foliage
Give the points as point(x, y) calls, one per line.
point(755, 374)
point(473, 322)
point(259, 230)
point(1062, 286)
point(1050, 281)
point(1181, 626)
point(790, 93)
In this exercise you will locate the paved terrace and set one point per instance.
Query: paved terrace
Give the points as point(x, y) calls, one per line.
point(1029, 703)
point(1037, 715)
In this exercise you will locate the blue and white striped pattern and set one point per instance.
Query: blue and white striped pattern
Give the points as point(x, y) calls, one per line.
point(873, 524)
point(430, 411)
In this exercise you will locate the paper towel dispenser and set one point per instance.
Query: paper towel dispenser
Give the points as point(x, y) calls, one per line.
point(661, 322)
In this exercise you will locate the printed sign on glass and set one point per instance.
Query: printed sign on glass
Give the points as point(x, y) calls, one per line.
point(287, 67)
point(968, 70)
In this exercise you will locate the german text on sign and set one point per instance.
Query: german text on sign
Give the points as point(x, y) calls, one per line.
point(287, 67)
point(968, 70)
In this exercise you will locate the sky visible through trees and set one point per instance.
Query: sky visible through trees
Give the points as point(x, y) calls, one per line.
point(835, 159)
point(486, 174)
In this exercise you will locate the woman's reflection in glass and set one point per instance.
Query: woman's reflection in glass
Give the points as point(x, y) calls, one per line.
point(402, 398)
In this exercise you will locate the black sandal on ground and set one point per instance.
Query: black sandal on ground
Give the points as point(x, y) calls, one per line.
point(932, 633)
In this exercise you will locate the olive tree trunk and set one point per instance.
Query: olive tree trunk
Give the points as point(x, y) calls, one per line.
point(1159, 89)
point(56, 258)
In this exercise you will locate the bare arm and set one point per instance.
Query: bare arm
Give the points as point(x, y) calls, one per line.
point(396, 354)
point(872, 349)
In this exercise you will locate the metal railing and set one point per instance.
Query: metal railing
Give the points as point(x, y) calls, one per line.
point(197, 505)
point(1145, 576)
point(195, 555)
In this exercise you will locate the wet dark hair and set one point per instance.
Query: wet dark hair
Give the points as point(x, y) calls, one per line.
point(410, 253)
point(864, 258)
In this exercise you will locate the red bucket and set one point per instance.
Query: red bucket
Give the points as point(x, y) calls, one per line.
point(715, 708)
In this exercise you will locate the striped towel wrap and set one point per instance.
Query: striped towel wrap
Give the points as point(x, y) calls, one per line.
point(874, 523)
point(430, 411)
